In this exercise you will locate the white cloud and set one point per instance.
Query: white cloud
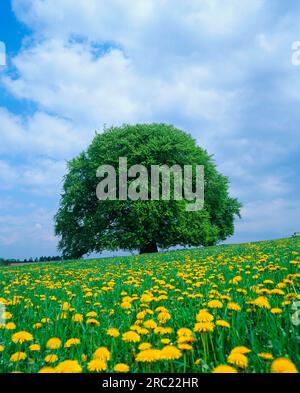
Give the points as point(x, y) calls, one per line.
point(40, 176)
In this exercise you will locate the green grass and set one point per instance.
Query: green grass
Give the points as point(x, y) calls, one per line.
point(183, 282)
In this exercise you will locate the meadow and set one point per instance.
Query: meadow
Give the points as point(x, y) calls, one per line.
point(230, 308)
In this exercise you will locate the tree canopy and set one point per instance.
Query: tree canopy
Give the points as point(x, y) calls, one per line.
point(86, 224)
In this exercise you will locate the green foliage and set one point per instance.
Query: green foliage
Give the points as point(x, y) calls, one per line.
point(86, 224)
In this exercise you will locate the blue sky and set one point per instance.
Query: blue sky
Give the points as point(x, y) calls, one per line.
point(220, 70)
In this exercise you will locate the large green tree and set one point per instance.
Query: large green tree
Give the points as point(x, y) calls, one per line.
point(86, 224)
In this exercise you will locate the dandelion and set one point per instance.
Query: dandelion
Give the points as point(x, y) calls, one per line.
point(72, 341)
point(262, 302)
point(241, 349)
point(91, 314)
point(150, 324)
point(223, 323)
point(185, 347)
point(131, 336)
point(204, 327)
point(51, 358)
point(18, 356)
point(10, 326)
point(102, 353)
point(163, 317)
point(204, 316)
point(265, 355)
point(68, 366)
point(34, 347)
point(77, 318)
point(233, 306)
point(149, 356)
point(53, 343)
point(215, 304)
point(170, 353)
point(224, 369)
point(144, 346)
point(276, 310)
point(113, 332)
point(22, 337)
point(121, 368)
point(238, 359)
point(93, 322)
point(97, 365)
point(184, 332)
point(47, 370)
point(283, 365)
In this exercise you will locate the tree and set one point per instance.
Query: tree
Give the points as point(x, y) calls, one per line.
point(86, 224)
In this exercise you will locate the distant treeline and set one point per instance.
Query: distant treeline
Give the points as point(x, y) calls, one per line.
point(30, 260)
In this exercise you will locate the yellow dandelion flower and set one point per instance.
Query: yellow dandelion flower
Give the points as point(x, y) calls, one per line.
point(47, 370)
point(97, 365)
point(149, 356)
point(113, 332)
point(276, 310)
point(185, 347)
point(7, 315)
point(215, 304)
point(241, 349)
point(204, 316)
point(150, 324)
point(34, 347)
point(165, 341)
point(144, 346)
point(91, 314)
point(283, 365)
point(22, 337)
point(184, 332)
point(262, 302)
point(238, 359)
point(233, 306)
point(121, 368)
point(102, 353)
point(18, 356)
point(223, 323)
point(170, 353)
point(163, 317)
point(51, 358)
point(224, 369)
point(72, 341)
point(68, 366)
point(10, 326)
point(65, 306)
point(125, 305)
point(131, 336)
point(93, 322)
point(204, 327)
point(77, 318)
point(53, 343)
point(265, 355)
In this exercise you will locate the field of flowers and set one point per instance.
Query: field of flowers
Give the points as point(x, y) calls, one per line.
point(218, 309)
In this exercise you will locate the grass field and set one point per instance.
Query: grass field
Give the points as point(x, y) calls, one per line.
point(226, 308)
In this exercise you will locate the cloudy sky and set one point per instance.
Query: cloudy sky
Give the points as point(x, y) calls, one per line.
point(220, 69)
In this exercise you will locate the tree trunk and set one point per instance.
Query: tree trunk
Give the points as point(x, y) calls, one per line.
point(147, 248)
